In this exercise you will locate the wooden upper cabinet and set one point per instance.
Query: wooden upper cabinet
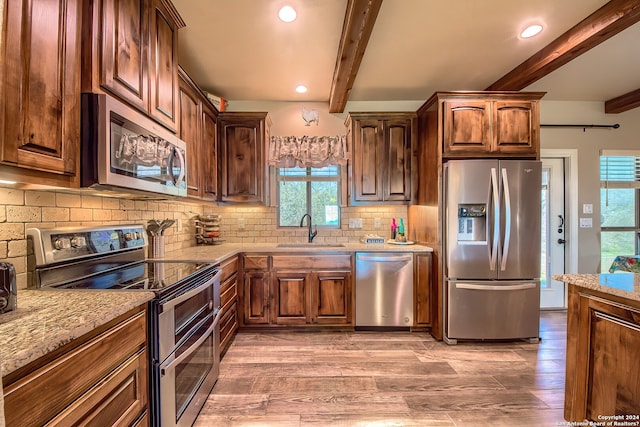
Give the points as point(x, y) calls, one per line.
point(190, 117)
point(382, 156)
point(467, 126)
point(40, 90)
point(121, 40)
point(492, 124)
point(165, 23)
point(130, 50)
point(198, 129)
point(517, 126)
point(242, 139)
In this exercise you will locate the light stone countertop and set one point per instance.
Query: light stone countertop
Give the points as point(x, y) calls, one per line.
point(217, 253)
point(47, 319)
point(624, 285)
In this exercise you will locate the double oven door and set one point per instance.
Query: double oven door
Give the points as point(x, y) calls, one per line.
point(186, 353)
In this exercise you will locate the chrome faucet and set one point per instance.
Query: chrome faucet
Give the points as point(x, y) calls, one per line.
point(311, 234)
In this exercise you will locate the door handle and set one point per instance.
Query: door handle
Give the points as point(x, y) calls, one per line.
point(561, 241)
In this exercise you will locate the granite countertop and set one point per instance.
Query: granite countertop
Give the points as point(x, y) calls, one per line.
point(47, 319)
point(624, 285)
point(217, 253)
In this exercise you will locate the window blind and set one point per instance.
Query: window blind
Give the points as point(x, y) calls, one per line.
point(619, 169)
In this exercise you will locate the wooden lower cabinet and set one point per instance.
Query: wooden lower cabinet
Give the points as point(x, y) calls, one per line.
point(97, 380)
point(602, 372)
point(228, 302)
point(422, 283)
point(298, 290)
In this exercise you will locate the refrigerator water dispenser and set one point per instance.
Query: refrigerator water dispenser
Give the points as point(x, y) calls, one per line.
point(472, 223)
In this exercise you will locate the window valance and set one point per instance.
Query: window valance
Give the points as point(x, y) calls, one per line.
point(308, 151)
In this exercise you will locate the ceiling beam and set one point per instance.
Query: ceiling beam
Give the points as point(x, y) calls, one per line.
point(623, 103)
point(604, 23)
point(359, 20)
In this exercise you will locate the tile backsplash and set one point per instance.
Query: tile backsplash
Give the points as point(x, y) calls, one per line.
point(22, 209)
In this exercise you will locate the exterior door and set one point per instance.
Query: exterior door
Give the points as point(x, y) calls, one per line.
point(552, 292)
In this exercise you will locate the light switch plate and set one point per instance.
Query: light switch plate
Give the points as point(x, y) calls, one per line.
point(355, 222)
point(587, 208)
point(586, 222)
point(240, 223)
point(377, 223)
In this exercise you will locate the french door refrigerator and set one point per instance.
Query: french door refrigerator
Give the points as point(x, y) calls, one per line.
point(491, 249)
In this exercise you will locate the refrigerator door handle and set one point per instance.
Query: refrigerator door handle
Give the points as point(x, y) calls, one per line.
point(494, 287)
point(495, 220)
point(507, 219)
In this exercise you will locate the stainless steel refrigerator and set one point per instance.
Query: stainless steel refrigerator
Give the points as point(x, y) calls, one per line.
point(491, 249)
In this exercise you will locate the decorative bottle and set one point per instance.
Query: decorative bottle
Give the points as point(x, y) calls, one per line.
point(394, 228)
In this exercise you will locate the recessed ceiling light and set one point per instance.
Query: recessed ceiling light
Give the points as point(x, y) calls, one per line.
point(287, 14)
point(301, 89)
point(531, 31)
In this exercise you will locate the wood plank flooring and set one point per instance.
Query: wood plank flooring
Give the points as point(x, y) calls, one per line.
point(389, 379)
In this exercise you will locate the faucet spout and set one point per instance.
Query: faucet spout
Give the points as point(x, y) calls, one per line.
point(312, 234)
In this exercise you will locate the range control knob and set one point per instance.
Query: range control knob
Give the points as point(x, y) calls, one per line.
point(62, 243)
point(78, 242)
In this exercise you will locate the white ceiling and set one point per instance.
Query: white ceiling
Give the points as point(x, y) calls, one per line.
point(241, 51)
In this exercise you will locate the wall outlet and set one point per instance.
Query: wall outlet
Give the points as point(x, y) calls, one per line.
point(376, 223)
point(240, 223)
point(179, 224)
point(355, 222)
point(587, 208)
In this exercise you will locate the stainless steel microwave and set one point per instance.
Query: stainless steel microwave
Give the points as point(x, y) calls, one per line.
point(122, 149)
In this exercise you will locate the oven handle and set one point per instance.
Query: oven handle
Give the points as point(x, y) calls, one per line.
point(175, 301)
point(170, 365)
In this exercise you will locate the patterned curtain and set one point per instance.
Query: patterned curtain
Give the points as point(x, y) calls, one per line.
point(308, 151)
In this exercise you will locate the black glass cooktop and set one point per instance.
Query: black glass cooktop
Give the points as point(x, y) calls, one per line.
point(144, 275)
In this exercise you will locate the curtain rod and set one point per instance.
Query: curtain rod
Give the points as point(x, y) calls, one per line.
point(584, 127)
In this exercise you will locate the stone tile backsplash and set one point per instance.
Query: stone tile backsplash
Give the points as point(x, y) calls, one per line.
point(22, 209)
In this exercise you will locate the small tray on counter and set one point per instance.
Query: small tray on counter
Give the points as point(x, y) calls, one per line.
point(407, 242)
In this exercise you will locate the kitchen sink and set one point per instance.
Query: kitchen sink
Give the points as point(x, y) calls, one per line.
point(310, 245)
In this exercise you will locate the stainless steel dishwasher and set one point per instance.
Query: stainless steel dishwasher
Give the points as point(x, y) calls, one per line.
point(384, 290)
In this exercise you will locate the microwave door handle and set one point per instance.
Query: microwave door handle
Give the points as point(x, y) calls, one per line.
point(507, 219)
point(175, 152)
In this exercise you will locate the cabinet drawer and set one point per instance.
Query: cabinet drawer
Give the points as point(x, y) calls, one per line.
point(228, 325)
point(312, 262)
point(228, 294)
point(228, 268)
point(256, 262)
point(72, 374)
point(119, 399)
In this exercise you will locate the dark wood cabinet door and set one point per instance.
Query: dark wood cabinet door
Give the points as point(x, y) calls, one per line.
point(516, 125)
point(467, 126)
point(397, 158)
point(124, 56)
point(256, 298)
point(422, 284)
point(332, 298)
point(209, 174)
point(164, 64)
point(243, 168)
point(291, 298)
point(368, 160)
point(40, 90)
point(190, 134)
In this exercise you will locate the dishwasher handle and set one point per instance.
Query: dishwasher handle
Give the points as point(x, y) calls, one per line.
point(384, 258)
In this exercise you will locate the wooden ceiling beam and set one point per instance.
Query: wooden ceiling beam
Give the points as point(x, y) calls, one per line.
point(604, 23)
point(359, 20)
point(623, 103)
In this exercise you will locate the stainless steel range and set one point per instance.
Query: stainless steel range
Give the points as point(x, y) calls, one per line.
point(183, 317)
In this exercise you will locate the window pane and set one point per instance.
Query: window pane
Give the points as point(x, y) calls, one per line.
point(292, 171)
point(326, 171)
point(293, 202)
point(618, 207)
point(614, 243)
point(324, 203)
